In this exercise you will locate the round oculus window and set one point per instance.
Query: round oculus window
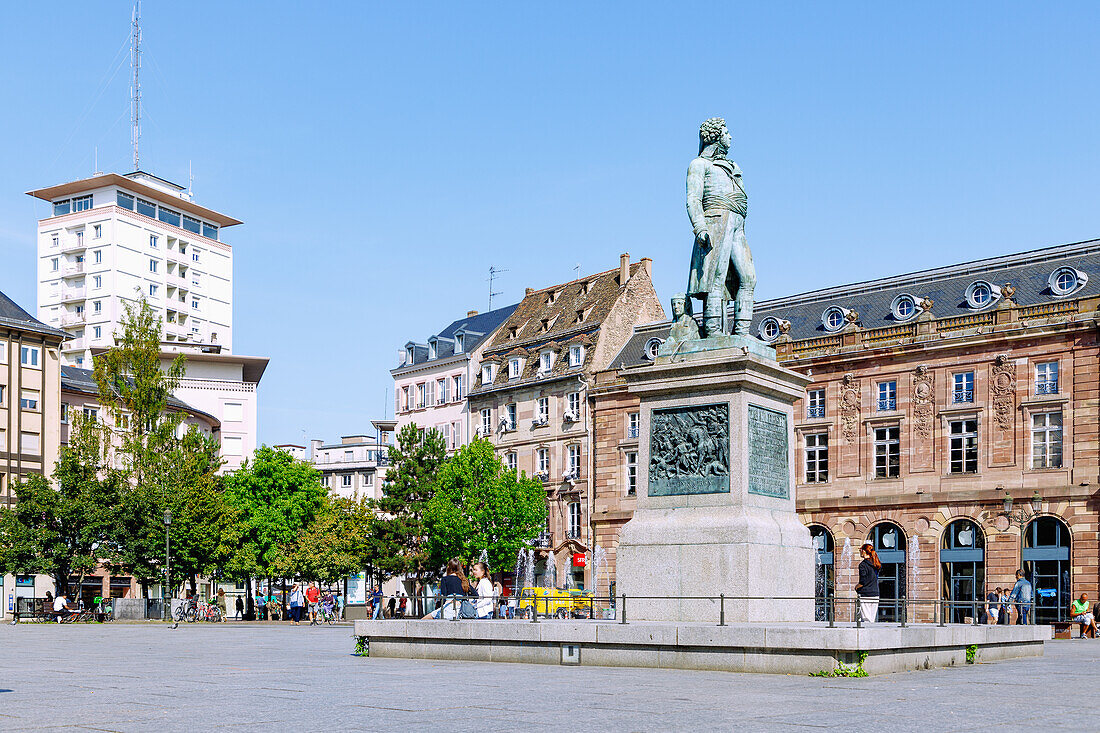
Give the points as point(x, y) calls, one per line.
point(903, 307)
point(769, 329)
point(833, 318)
point(651, 348)
point(981, 293)
point(1067, 280)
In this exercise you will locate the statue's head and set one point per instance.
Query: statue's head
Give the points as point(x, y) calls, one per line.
point(714, 131)
point(678, 305)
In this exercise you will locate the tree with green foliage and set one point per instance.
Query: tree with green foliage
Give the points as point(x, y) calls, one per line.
point(410, 483)
point(276, 498)
point(66, 529)
point(341, 540)
point(479, 505)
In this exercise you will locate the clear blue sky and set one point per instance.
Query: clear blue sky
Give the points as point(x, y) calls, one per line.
point(382, 157)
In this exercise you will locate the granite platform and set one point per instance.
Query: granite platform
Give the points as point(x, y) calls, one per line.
point(789, 648)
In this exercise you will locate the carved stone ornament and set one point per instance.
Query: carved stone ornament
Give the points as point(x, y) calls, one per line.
point(784, 326)
point(924, 392)
point(1003, 386)
point(689, 450)
point(926, 304)
point(1007, 291)
point(849, 407)
point(851, 316)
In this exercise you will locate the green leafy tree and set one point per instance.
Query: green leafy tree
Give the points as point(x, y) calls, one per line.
point(479, 505)
point(65, 530)
point(410, 483)
point(276, 498)
point(341, 540)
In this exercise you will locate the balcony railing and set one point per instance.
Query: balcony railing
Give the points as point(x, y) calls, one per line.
point(887, 405)
point(573, 534)
point(962, 395)
point(1046, 386)
point(73, 268)
point(69, 295)
point(72, 319)
point(632, 431)
point(543, 541)
point(818, 411)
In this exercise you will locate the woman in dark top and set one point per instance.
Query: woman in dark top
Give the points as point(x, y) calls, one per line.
point(867, 588)
point(451, 585)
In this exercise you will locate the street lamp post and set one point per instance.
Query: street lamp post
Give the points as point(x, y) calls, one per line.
point(1021, 517)
point(167, 567)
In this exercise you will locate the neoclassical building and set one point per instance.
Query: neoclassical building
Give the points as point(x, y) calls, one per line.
point(952, 422)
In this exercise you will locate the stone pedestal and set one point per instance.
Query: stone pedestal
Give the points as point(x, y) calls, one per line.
point(698, 531)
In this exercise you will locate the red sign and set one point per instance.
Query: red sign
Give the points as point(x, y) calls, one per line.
point(579, 560)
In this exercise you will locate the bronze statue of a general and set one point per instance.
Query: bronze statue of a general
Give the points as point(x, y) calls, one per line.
point(721, 263)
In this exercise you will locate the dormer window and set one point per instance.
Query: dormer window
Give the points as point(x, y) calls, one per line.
point(458, 343)
point(834, 318)
point(431, 349)
point(546, 324)
point(1066, 281)
point(408, 355)
point(515, 368)
point(546, 362)
point(487, 373)
point(769, 329)
point(982, 293)
point(903, 307)
point(513, 331)
point(652, 347)
point(586, 287)
point(552, 296)
point(576, 355)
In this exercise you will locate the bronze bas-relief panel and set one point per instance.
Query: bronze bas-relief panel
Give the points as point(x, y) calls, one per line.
point(689, 450)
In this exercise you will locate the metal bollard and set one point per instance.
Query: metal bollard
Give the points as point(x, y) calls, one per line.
point(535, 610)
point(857, 614)
point(622, 618)
point(904, 611)
point(974, 614)
point(830, 611)
point(943, 612)
point(722, 609)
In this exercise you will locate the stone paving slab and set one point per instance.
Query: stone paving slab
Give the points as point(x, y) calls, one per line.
point(275, 678)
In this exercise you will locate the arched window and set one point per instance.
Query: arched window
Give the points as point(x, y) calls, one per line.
point(824, 577)
point(888, 540)
point(962, 560)
point(1047, 566)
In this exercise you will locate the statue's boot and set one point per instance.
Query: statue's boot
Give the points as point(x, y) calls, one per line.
point(712, 319)
point(742, 307)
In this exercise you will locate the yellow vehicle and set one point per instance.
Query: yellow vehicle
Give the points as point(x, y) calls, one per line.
point(555, 602)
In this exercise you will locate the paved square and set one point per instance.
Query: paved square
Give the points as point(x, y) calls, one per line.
point(274, 678)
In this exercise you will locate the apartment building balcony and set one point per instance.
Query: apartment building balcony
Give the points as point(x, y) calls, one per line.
point(77, 344)
point(72, 319)
point(72, 295)
point(72, 268)
point(73, 245)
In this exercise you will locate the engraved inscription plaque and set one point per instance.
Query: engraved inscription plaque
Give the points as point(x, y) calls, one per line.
point(769, 474)
point(689, 450)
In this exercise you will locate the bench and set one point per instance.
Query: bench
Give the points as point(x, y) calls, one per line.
point(1064, 629)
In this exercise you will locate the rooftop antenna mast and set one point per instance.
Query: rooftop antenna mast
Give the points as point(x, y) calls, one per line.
point(135, 63)
point(493, 272)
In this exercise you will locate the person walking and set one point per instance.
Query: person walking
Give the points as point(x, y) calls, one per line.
point(240, 608)
point(376, 601)
point(297, 600)
point(220, 603)
point(313, 597)
point(867, 587)
point(992, 606)
point(1021, 598)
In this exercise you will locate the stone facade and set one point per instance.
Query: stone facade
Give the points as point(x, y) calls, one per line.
point(930, 420)
point(531, 395)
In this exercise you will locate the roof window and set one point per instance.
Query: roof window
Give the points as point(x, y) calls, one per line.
point(769, 329)
point(1066, 281)
point(904, 307)
point(652, 347)
point(982, 294)
point(835, 318)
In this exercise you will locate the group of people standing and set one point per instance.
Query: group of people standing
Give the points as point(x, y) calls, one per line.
point(459, 598)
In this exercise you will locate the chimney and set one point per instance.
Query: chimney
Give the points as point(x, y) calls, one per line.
point(647, 265)
point(314, 446)
point(471, 314)
point(528, 291)
point(624, 268)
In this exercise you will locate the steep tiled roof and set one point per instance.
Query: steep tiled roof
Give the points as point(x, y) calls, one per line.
point(946, 286)
point(12, 315)
point(1028, 272)
point(479, 327)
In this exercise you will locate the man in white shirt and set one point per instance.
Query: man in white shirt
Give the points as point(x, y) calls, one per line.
point(60, 607)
